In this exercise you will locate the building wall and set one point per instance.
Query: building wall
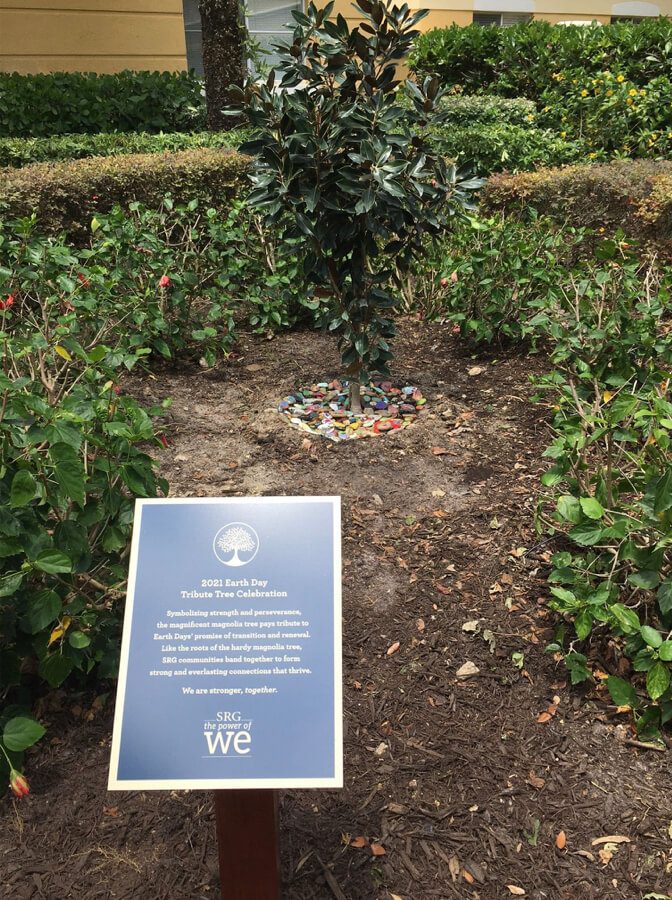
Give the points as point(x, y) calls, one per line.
point(91, 35)
point(111, 35)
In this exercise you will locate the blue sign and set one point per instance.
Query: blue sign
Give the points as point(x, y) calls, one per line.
point(230, 670)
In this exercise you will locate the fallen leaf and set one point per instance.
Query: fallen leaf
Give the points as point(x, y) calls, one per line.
point(475, 370)
point(467, 670)
point(420, 625)
point(396, 897)
point(454, 867)
point(610, 839)
point(397, 809)
point(381, 749)
point(442, 589)
point(515, 890)
point(535, 781)
point(357, 685)
point(359, 842)
point(495, 588)
point(112, 811)
point(439, 451)
point(306, 444)
point(378, 850)
point(393, 648)
point(467, 876)
point(544, 717)
point(561, 840)
point(473, 625)
point(438, 493)
point(606, 853)
point(253, 367)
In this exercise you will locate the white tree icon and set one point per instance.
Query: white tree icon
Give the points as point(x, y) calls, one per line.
point(236, 539)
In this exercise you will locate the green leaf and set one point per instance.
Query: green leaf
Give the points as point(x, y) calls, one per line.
point(21, 732)
point(665, 597)
point(583, 624)
point(23, 490)
point(622, 692)
point(53, 562)
point(569, 508)
point(10, 583)
point(657, 680)
point(43, 609)
point(586, 534)
point(55, 669)
point(665, 651)
point(69, 470)
point(79, 640)
point(627, 619)
point(650, 636)
point(592, 507)
point(647, 578)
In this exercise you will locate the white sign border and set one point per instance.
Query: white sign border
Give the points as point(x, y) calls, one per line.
point(114, 782)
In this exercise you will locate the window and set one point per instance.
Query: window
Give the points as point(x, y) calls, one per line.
point(194, 38)
point(266, 23)
point(501, 19)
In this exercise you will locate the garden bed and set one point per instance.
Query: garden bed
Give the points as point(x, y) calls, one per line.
point(458, 780)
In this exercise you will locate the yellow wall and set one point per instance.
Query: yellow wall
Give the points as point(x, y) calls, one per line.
point(111, 35)
point(91, 35)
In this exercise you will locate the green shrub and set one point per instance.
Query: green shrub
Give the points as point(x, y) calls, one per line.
point(67, 195)
point(635, 195)
point(485, 149)
point(615, 115)
point(76, 102)
point(470, 109)
point(72, 459)
point(609, 489)
point(520, 61)
point(18, 152)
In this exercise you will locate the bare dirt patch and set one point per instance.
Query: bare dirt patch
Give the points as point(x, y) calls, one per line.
point(470, 792)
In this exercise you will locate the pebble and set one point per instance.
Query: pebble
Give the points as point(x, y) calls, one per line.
point(323, 409)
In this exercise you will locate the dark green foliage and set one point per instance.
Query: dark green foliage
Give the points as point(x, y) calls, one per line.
point(67, 195)
point(344, 166)
point(18, 152)
point(76, 102)
point(520, 61)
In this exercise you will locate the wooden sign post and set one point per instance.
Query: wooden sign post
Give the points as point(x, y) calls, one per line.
point(247, 840)
point(230, 673)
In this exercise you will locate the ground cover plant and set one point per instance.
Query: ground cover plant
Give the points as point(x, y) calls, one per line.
point(338, 164)
point(88, 103)
point(601, 307)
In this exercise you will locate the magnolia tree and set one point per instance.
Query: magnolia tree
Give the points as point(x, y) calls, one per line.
point(341, 161)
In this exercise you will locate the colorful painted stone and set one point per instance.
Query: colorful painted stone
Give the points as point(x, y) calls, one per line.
point(323, 409)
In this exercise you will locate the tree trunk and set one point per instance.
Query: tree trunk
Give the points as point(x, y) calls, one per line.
point(224, 57)
point(356, 396)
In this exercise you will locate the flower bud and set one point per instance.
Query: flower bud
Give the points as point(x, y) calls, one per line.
point(164, 281)
point(18, 783)
point(453, 277)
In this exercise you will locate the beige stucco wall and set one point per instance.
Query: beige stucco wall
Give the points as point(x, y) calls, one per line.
point(91, 35)
point(111, 35)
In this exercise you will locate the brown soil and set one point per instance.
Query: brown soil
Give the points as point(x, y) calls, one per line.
point(469, 792)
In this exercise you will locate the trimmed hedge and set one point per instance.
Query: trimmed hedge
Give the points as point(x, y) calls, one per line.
point(520, 61)
point(470, 109)
point(632, 195)
point(66, 195)
point(502, 147)
point(19, 152)
point(87, 103)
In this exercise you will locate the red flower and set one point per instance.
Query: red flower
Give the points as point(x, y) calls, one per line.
point(18, 783)
point(84, 280)
point(164, 281)
point(5, 304)
point(163, 440)
point(116, 389)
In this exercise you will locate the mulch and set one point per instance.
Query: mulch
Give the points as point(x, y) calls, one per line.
point(468, 794)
